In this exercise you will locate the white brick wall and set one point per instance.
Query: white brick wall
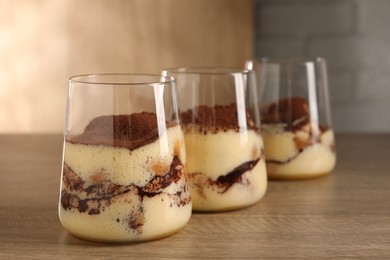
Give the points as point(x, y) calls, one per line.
point(354, 37)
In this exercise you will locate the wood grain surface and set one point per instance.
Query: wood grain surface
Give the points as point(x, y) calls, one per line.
point(343, 215)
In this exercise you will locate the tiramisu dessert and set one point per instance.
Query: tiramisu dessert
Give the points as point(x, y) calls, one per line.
point(124, 180)
point(226, 166)
point(295, 146)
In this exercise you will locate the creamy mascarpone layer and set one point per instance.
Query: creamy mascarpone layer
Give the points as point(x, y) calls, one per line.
point(213, 155)
point(279, 145)
point(284, 159)
point(216, 154)
point(249, 191)
point(159, 215)
point(316, 159)
point(122, 165)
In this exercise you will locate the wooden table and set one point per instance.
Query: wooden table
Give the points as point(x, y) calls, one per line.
point(344, 215)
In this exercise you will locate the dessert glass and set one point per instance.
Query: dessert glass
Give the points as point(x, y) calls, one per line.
point(225, 161)
point(124, 165)
point(294, 109)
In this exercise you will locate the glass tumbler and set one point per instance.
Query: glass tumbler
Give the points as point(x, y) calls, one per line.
point(294, 109)
point(225, 161)
point(124, 165)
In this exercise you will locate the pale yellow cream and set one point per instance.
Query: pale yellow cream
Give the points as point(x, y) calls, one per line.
point(216, 154)
point(315, 159)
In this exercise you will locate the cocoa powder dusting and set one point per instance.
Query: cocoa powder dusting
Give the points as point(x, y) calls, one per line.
point(294, 112)
point(127, 131)
point(219, 117)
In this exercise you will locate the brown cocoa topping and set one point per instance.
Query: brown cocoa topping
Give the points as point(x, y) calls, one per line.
point(219, 117)
point(294, 112)
point(127, 131)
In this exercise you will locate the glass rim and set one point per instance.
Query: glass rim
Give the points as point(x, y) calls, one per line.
point(287, 60)
point(83, 78)
point(213, 70)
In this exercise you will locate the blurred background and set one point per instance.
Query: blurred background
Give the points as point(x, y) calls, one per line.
point(43, 42)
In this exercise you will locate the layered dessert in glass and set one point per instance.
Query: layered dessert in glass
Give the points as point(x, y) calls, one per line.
point(221, 125)
point(124, 175)
point(226, 165)
point(295, 114)
point(296, 147)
